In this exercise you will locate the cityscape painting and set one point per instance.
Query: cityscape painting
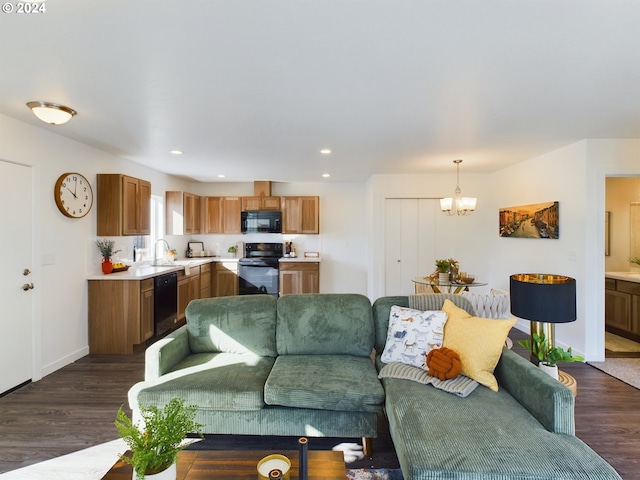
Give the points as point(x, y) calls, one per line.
point(538, 220)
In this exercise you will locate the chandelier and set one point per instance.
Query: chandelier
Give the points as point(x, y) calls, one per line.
point(458, 205)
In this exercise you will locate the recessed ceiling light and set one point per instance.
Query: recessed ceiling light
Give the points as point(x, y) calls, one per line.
point(325, 151)
point(177, 152)
point(221, 175)
point(326, 175)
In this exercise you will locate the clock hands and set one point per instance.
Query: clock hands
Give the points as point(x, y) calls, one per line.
point(72, 193)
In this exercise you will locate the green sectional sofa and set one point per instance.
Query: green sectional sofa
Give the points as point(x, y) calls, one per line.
point(299, 365)
point(523, 431)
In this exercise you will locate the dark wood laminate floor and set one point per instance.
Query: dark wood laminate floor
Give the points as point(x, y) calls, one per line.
point(74, 408)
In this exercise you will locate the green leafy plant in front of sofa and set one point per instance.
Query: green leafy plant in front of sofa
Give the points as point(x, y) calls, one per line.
point(154, 447)
point(547, 354)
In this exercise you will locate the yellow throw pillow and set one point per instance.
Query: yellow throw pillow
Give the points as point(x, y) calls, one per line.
point(478, 341)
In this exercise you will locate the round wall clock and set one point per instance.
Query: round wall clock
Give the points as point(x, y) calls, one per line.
point(73, 194)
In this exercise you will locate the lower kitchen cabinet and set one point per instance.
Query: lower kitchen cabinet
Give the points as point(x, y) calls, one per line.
point(205, 280)
point(622, 308)
point(226, 279)
point(188, 289)
point(299, 277)
point(120, 315)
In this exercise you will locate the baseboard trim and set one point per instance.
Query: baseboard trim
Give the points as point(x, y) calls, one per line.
point(64, 361)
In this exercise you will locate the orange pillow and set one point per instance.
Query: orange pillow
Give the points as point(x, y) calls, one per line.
point(478, 341)
point(443, 363)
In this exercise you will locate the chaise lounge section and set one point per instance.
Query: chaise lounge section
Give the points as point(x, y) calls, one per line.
point(525, 430)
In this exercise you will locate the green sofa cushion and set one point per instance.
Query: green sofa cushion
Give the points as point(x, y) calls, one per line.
point(328, 382)
point(220, 381)
point(487, 435)
point(240, 324)
point(324, 324)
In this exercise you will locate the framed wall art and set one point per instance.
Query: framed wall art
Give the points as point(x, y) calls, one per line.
point(537, 220)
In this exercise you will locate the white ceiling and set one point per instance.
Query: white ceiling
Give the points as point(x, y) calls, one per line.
point(253, 89)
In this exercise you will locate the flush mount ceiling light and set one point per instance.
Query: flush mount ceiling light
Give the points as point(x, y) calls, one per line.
point(458, 205)
point(325, 151)
point(51, 113)
point(176, 152)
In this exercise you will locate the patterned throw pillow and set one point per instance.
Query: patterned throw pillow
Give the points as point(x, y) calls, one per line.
point(412, 334)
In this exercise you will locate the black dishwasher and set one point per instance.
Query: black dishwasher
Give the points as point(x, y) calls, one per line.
point(165, 303)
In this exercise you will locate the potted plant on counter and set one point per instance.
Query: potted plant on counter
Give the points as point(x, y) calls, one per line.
point(232, 250)
point(107, 251)
point(548, 356)
point(155, 445)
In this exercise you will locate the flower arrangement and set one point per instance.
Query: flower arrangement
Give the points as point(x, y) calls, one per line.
point(155, 448)
point(106, 247)
point(443, 265)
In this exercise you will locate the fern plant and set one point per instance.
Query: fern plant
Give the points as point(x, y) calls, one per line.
point(154, 447)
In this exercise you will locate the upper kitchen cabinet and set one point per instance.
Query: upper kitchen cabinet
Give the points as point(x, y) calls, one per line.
point(300, 215)
point(260, 203)
point(222, 214)
point(183, 213)
point(123, 205)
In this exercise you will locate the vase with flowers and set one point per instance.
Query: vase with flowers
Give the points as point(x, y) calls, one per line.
point(107, 250)
point(443, 267)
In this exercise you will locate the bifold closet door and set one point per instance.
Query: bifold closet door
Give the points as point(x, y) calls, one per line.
point(410, 242)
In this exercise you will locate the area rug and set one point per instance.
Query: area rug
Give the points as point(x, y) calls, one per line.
point(624, 369)
point(374, 474)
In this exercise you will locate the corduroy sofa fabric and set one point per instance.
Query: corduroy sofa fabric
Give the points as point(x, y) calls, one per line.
point(523, 431)
point(225, 361)
point(323, 382)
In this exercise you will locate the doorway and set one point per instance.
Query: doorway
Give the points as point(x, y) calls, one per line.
point(16, 322)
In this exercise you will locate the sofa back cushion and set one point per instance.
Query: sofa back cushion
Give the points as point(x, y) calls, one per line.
point(430, 301)
point(324, 324)
point(239, 324)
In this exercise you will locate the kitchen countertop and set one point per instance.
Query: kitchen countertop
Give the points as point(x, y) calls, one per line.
point(144, 271)
point(300, 259)
point(627, 276)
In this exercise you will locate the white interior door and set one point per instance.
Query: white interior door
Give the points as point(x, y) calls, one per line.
point(410, 242)
point(16, 341)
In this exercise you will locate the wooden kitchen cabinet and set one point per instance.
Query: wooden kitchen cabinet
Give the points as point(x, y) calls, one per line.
point(183, 213)
point(188, 289)
point(222, 214)
point(300, 215)
point(299, 277)
point(226, 279)
point(120, 315)
point(622, 308)
point(205, 280)
point(123, 205)
point(260, 203)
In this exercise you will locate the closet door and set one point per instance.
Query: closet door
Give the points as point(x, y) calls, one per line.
point(410, 242)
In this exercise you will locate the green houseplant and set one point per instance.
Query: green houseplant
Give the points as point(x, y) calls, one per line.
point(106, 247)
point(155, 446)
point(635, 260)
point(548, 355)
point(443, 265)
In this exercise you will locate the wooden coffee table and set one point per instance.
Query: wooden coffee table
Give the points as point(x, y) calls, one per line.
point(208, 464)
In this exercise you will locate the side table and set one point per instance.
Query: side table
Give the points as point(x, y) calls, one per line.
point(569, 381)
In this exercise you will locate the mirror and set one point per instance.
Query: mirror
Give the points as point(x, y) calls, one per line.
point(634, 229)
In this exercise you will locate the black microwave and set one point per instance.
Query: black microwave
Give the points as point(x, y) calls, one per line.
point(261, 221)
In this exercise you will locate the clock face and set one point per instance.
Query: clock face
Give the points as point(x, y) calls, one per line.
point(73, 194)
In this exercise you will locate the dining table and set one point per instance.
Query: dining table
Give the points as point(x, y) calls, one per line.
point(445, 287)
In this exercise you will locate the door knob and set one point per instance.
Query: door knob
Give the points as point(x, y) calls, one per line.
point(26, 272)
point(27, 286)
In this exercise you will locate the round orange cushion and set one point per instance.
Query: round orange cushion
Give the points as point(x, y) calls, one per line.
point(443, 363)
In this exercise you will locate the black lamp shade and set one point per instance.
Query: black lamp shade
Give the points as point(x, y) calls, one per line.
point(543, 298)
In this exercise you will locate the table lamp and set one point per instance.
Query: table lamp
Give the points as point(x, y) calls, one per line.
point(545, 300)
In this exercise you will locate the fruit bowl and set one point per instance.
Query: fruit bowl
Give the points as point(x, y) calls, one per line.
point(122, 268)
point(468, 279)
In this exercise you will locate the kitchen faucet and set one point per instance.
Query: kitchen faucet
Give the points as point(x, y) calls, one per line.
point(155, 252)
